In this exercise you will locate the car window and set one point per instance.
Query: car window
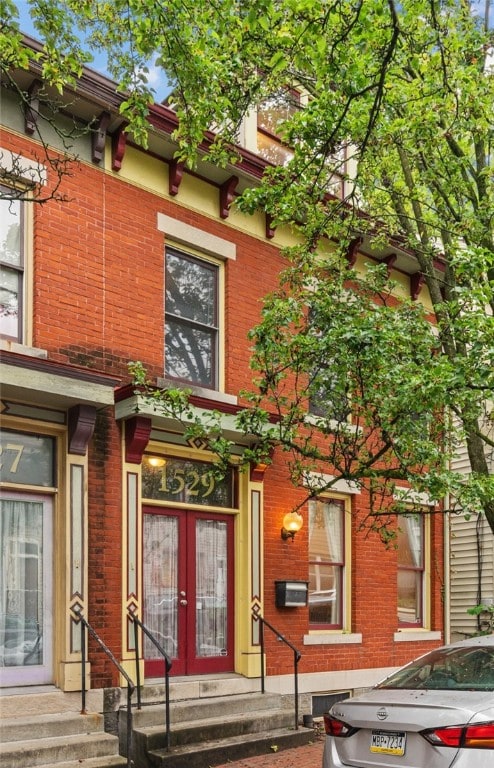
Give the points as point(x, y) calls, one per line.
point(469, 668)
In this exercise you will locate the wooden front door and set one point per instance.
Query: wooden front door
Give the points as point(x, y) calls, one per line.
point(188, 590)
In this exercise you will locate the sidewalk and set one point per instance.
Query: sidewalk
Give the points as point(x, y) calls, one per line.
point(309, 756)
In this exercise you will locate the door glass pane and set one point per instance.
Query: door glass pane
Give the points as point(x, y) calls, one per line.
point(211, 591)
point(21, 572)
point(160, 584)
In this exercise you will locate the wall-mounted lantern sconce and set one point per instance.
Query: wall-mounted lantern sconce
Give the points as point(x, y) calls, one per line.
point(156, 462)
point(292, 523)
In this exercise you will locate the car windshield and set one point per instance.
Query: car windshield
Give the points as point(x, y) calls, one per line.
point(463, 669)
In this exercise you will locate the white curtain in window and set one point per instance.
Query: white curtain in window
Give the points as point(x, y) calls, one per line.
point(160, 583)
point(211, 588)
point(412, 527)
point(21, 572)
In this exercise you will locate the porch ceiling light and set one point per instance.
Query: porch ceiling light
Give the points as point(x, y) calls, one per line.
point(292, 523)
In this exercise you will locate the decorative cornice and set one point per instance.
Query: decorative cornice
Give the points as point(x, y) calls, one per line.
point(98, 136)
point(176, 173)
point(82, 419)
point(58, 369)
point(32, 107)
point(416, 283)
point(137, 433)
point(227, 195)
point(118, 146)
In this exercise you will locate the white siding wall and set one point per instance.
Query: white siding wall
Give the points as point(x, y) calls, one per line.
point(472, 549)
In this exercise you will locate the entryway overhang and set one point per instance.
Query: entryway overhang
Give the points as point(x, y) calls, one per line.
point(129, 403)
point(32, 378)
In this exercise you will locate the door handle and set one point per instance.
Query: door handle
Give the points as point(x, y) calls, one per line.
point(183, 602)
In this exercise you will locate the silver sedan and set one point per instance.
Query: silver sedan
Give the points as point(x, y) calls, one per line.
point(437, 712)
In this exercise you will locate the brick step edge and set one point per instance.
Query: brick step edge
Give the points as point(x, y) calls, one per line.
point(221, 751)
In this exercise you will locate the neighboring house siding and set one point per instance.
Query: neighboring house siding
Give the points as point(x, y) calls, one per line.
point(472, 563)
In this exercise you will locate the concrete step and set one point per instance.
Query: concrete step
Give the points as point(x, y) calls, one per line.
point(91, 762)
point(219, 751)
point(187, 711)
point(197, 730)
point(49, 726)
point(54, 750)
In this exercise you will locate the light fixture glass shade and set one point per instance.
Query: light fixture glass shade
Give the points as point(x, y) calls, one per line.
point(155, 461)
point(293, 522)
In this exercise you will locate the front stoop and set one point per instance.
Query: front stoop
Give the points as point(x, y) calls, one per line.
point(211, 731)
point(62, 740)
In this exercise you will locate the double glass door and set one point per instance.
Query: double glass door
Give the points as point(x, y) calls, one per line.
point(188, 590)
point(25, 589)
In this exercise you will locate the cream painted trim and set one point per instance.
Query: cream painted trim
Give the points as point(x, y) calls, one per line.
point(416, 635)
point(61, 391)
point(328, 638)
point(19, 168)
point(410, 496)
point(188, 235)
point(340, 486)
point(207, 394)
point(324, 682)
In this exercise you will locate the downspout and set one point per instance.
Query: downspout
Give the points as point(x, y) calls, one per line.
point(447, 572)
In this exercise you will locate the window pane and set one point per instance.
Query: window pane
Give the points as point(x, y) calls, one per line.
point(410, 537)
point(10, 231)
point(190, 289)
point(325, 589)
point(160, 535)
point(211, 578)
point(9, 302)
point(325, 531)
point(189, 354)
point(21, 597)
point(409, 596)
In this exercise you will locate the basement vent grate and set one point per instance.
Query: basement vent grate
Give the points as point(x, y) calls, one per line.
point(322, 702)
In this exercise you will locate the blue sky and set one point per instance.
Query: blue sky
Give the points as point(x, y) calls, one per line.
point(156, 77)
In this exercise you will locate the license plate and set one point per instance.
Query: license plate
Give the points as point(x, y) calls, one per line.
point(388, 742)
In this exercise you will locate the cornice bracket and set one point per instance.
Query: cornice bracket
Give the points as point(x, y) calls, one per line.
point(31, 114)
point(118, 147)
point(98, 137)
point(416, 282)
point(352, 251)
point(82, 419)
point(270, 230)
point(175, 175)
point(227, 195)
point(137, 434)
point(390, 262)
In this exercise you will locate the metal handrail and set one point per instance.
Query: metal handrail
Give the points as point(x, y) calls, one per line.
point(296, 657)
point(168, 665)
point(85, 625)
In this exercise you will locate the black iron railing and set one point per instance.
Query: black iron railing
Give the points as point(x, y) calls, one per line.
point(168, 665)
point(86, 626)
point(296, 657)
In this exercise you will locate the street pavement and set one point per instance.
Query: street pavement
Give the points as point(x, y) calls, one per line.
point(308, 756)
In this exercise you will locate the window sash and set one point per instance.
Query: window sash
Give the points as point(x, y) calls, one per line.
point(11, 267)
point(191, 319)
point(411, 571)
point(326, 563)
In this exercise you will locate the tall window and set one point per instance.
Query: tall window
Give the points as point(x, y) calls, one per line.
point(191, 319)
point(411, 570)
point(11, 268)
point(270, 114)
point(326, 563)
point(329, 395)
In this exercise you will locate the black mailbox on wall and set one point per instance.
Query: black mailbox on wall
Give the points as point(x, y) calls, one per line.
point(291, 594)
